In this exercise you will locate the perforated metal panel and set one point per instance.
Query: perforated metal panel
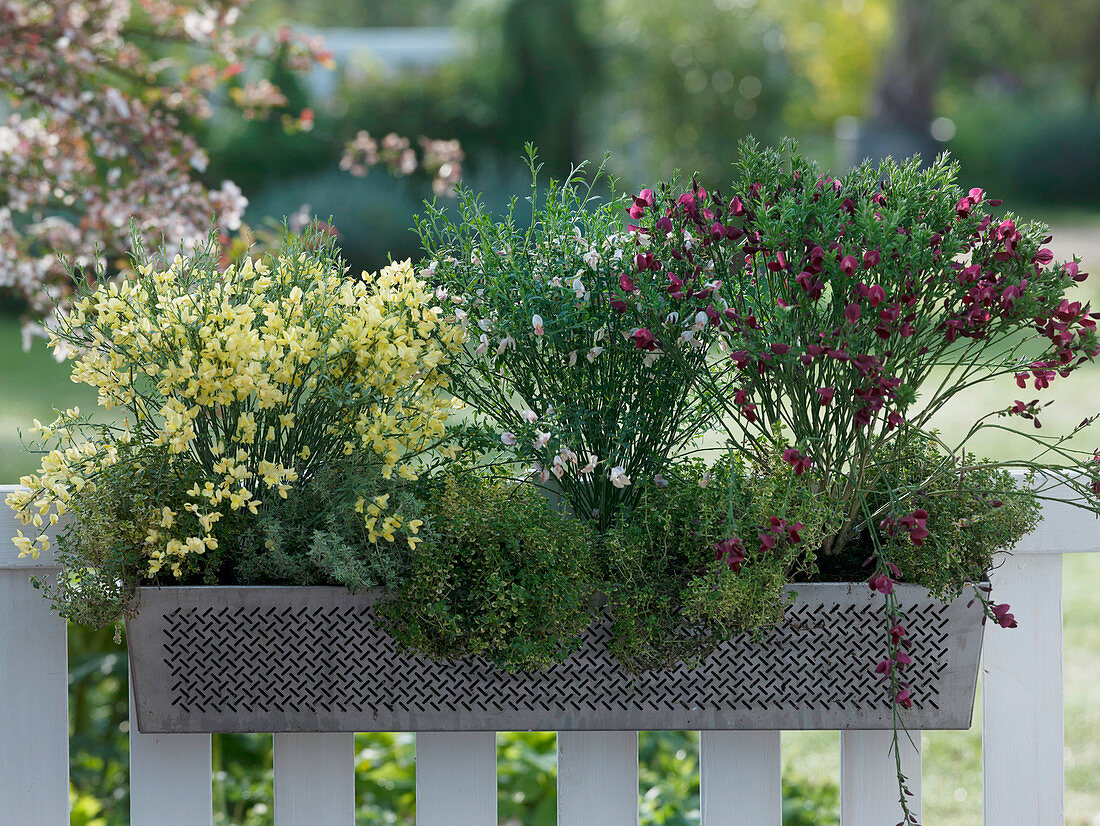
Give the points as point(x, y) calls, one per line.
point(314, 659)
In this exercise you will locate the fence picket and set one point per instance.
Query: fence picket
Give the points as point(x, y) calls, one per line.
point(169, 773)
point(456, 778)
point(868, 777)
point(598, 778)
point(1022, 700)
point(740, 780)
point(315, 779)
point(34, 700)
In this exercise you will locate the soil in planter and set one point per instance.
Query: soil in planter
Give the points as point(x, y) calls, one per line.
point(846, 566)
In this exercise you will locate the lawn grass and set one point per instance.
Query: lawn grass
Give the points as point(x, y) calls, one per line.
point(33, 384)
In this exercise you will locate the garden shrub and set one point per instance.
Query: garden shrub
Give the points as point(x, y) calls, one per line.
point(500, 574)
point(691, 565)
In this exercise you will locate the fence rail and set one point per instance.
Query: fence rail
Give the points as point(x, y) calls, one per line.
point(170, 775)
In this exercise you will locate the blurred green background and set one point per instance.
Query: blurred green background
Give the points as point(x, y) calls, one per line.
point(1011, 90)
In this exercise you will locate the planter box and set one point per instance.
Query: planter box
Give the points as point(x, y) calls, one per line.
point(224, 659)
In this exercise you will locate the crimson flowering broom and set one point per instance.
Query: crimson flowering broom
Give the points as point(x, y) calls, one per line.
point(851, 310)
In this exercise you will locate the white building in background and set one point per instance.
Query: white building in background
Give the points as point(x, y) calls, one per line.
point(387, 50)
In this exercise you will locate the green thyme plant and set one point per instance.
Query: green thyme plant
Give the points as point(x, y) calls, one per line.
point(501, 574)
point(703, 556)
point(975, 508)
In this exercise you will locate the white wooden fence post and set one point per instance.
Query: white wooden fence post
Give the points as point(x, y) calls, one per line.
point(34, 690)
point(1022, 702)
point(456, 778)
point(597, 778)
point(315, 779)
point(740, 778)
point(169, 773)
point(868, 777)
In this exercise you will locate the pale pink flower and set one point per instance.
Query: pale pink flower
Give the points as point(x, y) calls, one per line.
point(591, 465)
point(705, 480)
point(660, 481)
point(536, 323)
point(619, 477)
point(594, 353)
point(529, 416)
point(508, 438)
point(558, 469)
point(573, 359)
point(505, 343)
point(542, 437)
point(483, 347)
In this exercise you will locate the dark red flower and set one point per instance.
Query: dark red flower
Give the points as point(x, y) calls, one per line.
point(881, 583)
point(848, 264)
point(852, 313)
point(626, 283)
point(800, 462)
point(904, 699)
point(731, 551)
point(871, 258)
point(1043, 257)
point(642, 200)
point(1002, 617)
point(643, 339)
point(826, 394)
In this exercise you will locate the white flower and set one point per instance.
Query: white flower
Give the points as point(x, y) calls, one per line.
point(591, 258)
point(591, 465)
point(485, 324)
point(618, 477)
point(672, 318)
point(508, 438)
point(651, 358)
point(705, 480)
point(460, 317)
point(594, 352)
point(572, 358)
point(701, 320)
point(536, 323)
point(542, 437)
point(483, 347)
point(544, 474)
point(660, 481)
point(529, 416)
point(579, 289)
point(555, 281)
point(558, 469)
point(600, 335)
point(505, 343)
point(567, 455)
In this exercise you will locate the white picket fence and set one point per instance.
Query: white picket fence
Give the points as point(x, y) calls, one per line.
point(170, 775)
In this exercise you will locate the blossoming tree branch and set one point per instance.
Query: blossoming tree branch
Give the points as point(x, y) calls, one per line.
point(104, 96)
